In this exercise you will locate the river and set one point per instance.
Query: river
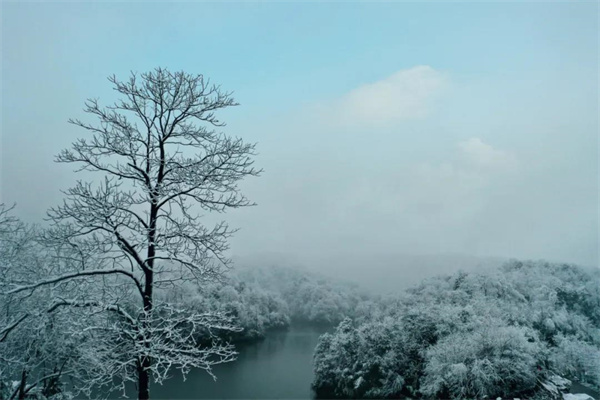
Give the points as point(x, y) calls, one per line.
point(280, 366)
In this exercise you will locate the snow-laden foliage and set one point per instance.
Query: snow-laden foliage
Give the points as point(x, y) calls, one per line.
point(254, 309)
point(310, 297)
point(359, 363)
point(266, 298)
point(577, 359)
point(489, 361)
point(160, 162)
point(491, 334)
point(36, 351)
point(71, 338)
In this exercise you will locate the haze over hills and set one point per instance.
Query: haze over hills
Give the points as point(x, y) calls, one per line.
point(381, 272)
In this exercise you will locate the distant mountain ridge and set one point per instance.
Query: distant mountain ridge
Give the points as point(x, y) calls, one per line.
point(383, 273)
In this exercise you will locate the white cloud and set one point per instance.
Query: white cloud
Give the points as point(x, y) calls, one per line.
point(407, 94)
point(481, 155)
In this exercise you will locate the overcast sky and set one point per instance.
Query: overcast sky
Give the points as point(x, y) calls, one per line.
point(382, 128)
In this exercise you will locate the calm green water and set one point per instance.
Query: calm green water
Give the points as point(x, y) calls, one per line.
point(280, 367)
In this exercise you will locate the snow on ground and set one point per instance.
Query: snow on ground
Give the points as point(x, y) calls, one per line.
point(577, 396)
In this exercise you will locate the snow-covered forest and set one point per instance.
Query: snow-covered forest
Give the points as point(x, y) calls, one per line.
point(54, 348)
point(507, 332)
point(265, 298)
point(299, 199)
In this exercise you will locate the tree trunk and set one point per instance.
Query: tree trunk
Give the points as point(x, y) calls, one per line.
point(143, 382)
point(145, 363)
point(22, 385)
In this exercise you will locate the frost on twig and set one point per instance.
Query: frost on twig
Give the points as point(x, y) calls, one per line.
point(113, 243)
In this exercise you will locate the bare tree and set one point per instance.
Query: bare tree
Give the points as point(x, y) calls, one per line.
point(139, 230)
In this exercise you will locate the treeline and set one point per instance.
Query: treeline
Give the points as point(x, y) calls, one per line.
point(267, 298)
point(50, 346)
point(508, 332)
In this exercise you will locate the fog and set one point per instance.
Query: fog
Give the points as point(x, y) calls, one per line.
point(411, 187)
point(392, 147)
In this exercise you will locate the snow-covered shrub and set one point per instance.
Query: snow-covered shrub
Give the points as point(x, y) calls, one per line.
point(491, 361)
point(359, 363)
point(255, 309)
point(469, 334)
point(576, 359)
point(262, 299)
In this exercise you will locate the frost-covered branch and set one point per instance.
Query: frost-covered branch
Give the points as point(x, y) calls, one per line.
point(163, 162)
point(71, 276)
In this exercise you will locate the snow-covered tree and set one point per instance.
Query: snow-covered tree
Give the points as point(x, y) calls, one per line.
point(576, 359)
point(470, 335)
point(35, 351)
point(491, 361)
point(138, 229)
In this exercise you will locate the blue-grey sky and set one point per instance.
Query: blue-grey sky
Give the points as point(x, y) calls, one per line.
point(396, 127)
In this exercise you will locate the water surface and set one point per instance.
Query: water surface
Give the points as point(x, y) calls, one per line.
point(280, 366)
